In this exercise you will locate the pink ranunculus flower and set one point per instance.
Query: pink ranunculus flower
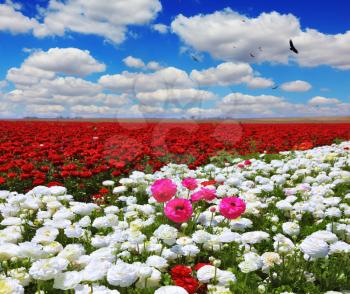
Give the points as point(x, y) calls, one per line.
point(203, 194)
point(178, 210)
point(232, 207)
point(247, 162)
point(163, 190)
point(190, 183)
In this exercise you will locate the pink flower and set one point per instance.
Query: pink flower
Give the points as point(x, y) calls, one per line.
point(178, 210)
point(232, 207)
point(203, 194)
point(163, 190)
point(240, 165)
point(190, 183)
point(247, 162)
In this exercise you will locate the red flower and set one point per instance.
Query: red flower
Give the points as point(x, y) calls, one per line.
point(190, 284)
point(104, 191)
point(2, 180)
point(208, 183)
point(179, 271)
point(51, 184)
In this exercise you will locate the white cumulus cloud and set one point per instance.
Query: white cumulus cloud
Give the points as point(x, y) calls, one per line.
point(296, 86)
point(230, 36)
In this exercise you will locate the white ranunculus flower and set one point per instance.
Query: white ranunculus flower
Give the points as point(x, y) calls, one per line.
point(291, 228)
point(171, 290)
point(32, 250)
point(10, 286)
point(108, 183)
point(206, 273)
point(166, 233)
point(67, 280)
point(315, 248)
point(85, 222)
point(73, 231)
point(225, 277)
point(269, 260)
point(9, 250)
point(96, 289)
point(326, 236)
point(252, 262)
point(45, 235)
point(120, 189)
point(90, 274)
point(47, 269)
point(72, 252)
point(201, 236)
point(254, 237)
point(122, 274)
point(21, 275)
point(157, 262)
point(339, 247)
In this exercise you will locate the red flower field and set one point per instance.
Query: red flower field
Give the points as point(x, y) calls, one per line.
point(81, 154)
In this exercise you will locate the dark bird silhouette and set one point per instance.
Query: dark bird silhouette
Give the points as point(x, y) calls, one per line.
point(292, 48)
point(275, 87)
point(194, 58)
point(252, 55)
point(243, 20)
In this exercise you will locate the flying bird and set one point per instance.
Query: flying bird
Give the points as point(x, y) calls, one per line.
point(194, 58)
point(251, 55)
point(275, 87)
point(292, 48)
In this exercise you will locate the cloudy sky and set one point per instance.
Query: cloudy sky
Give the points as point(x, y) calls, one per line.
point(174, 58)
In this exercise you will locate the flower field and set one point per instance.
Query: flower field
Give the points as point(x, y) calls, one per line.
point(274, 223)
point(80, 155)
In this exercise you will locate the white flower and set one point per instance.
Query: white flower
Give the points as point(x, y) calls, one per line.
point(47, 269)
point(283, 244)
point(269, 260)
point(67, 280)
point(225, 277)
point(166, 233)
point(72, 252)
point(157, 262)
point(108, 183)
point(73, 231)
point(120, 189)
point(32, 250)
point(326, 236)
point(339, 247)
point(122, 274)
point(206, 273)
point(11, 221)
point(254, 237)
point(190, 250)
point(89, 273)
point(291, 228)
point(53, 247)
point(10, 286)
point(45, 235)
point(96, 289)
point(252, 262)
point(171, 290)
point(85, 222)
point(21, 275)
point(8, 250)
point(111, 209)
point(201, 237)
point(314, 247)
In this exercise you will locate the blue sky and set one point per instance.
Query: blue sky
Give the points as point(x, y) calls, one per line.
point(131, 58)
